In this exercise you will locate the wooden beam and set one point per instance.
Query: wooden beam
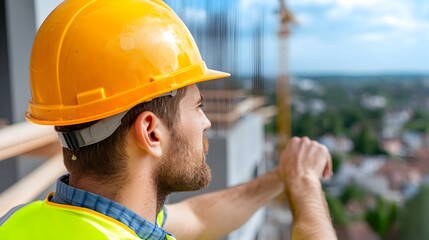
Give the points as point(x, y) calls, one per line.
point(29, 187)
point(24, 137)
point(245, 106)
point(222, 94)
point(267, 113)
point(46, 151)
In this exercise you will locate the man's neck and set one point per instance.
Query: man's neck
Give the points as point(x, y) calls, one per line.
point(138, 194)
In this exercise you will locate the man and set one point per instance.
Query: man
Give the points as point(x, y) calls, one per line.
point(118, 79)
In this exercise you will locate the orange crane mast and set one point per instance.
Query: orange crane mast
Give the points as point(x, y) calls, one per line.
point(283, 89)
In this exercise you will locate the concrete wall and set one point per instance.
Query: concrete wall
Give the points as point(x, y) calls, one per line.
point(17, 31)
point(8, 169)
point(21, 28)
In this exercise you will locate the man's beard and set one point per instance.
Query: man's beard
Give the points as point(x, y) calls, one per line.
point(182, 167)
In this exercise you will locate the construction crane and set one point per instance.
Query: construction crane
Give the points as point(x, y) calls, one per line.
point(283, 89)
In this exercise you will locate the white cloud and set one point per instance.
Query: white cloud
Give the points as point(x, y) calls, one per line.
point(372, 36)
point(361, 35)
point(398, 15)
point(196, 15)
point(347, 8)
point(252, 12)
point(398, 22)
point(408, 23)
point(310, 2)
point(304, 18)
point(255, 4)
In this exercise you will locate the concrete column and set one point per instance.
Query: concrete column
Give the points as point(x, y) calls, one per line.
point(21, 28)
point(17, 30)
point(7, 168)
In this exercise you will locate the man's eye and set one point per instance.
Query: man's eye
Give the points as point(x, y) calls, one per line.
point(201, 106)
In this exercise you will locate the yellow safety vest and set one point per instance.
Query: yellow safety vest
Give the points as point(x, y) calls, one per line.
point(47, 220)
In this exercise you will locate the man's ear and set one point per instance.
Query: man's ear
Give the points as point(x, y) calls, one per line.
point(148, 131)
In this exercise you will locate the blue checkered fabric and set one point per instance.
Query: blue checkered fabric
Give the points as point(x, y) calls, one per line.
point(69, 195)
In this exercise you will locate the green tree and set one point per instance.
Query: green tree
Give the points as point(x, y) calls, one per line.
point(337, 210)
point(419, 122)
point(414, 218)
point(382, 217)
point(366, 141)
point(352, 192)
point(306, 125)
point(336, 162)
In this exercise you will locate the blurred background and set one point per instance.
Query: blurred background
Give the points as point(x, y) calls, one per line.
point(352, 74)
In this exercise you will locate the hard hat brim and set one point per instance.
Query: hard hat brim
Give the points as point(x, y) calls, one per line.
point(214, 74)
point(208, 74)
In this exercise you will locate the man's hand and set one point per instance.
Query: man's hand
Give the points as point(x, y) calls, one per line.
point(303, 157)
point(302, 164)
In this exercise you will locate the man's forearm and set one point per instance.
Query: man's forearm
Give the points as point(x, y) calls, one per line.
point(311, 215)
point(221, 212)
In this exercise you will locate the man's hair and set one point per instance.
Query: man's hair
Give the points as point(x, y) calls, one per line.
point(105, 161)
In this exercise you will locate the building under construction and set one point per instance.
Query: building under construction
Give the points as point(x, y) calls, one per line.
point(236, 106)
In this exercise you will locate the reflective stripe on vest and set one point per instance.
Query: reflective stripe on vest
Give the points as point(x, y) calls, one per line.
point(47, 220)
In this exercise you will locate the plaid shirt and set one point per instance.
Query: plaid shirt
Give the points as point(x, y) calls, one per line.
point(69, 195)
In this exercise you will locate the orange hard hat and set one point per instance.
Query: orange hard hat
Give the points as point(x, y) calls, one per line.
point(92, 59)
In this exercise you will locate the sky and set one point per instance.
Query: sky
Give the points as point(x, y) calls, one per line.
point(337, 36)
point(361, 35)
point(354, 36)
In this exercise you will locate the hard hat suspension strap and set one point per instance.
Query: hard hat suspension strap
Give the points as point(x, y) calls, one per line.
point(97, 132)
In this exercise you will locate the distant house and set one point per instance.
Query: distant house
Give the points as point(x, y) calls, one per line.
point(373, 102)
point(394, 147)
point(339, 144)
point(393, 123)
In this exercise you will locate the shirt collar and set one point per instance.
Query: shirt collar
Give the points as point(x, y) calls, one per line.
point(66, 194)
